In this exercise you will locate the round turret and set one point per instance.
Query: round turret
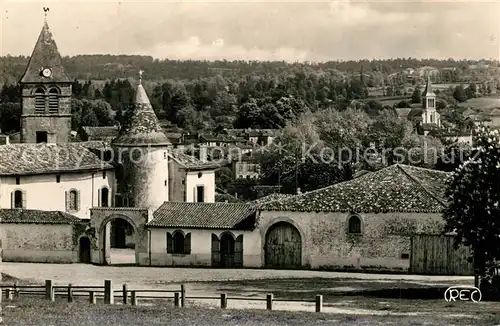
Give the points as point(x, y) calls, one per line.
point(141, 152)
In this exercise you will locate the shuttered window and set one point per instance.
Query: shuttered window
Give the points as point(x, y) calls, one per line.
point(39, 101)
point(178, 243)
point(73, 200)
point(53, 101)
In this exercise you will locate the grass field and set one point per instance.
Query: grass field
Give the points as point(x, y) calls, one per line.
point(482, 103)
point(37, 311)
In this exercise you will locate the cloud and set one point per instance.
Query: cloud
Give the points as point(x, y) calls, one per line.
point(194, 48)
point(250, 30)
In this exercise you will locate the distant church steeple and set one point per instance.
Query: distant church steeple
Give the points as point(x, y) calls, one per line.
point(46, 93)
point(429, 102)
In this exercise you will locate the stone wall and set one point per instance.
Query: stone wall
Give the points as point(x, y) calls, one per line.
point(326, 244)
point(38, 243)
point(201, 248)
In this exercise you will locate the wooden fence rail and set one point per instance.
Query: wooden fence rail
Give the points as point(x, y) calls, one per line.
point(106, 292)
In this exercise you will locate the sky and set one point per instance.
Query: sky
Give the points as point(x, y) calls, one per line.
point(258, 30)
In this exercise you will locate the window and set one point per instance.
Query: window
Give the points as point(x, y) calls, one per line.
point(430, 103)
point(177, 243)
point(405, 256)
point(18, 199)
point(200, 194)
point(72, 200)
point(104, 174)
point(41, 137)
point(39, 101)
point(200, 175)
point(53, 100)
point(18, 180)
point(165, 183)
point(354, 225)
point(165, 155)
point(104, 197)
point(58, 178)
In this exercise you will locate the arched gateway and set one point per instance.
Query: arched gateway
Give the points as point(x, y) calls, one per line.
point(120, 227)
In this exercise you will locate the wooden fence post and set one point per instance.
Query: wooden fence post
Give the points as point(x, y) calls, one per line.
point(269, 301)
point(125, 293)
point(109, 297)
point(9, 294)
point(183, 295)
point(319, 303)
point(176, 299)
point(223, 300)
point(133, 298)
point(70, 293)
point(49, 289)
point(1, 313)
point(16, 290)
point(92, 297)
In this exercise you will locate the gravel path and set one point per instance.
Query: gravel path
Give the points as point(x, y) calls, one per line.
point(82, 274)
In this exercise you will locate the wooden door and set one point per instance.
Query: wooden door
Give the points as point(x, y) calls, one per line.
point(215, 251)
point(238, 251)
point(85, 250)
point(283, 248)
point(227, 250)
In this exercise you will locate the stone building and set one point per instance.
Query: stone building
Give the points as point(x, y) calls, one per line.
point(362, 223)
point(46, 94)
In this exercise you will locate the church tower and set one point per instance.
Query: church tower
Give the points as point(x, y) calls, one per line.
point(429, 113)
point(45, 94)
point(141, 153)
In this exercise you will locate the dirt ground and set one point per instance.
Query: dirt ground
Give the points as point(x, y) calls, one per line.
point(339, 290)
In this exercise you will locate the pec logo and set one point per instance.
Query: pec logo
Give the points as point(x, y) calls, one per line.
point(462, 293)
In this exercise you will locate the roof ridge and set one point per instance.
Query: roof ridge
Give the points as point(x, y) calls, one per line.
point(412, 178)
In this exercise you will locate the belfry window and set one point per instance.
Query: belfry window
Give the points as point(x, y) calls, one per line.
point(39, 101)
point(53, 100)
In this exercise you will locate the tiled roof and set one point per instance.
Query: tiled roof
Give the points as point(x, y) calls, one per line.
point(101, 133)
point(190, 162)
point(397, 188)
point(204, 215)
point(45, 55)
point(36, 217)
point(141, 127)
point(272, 197)
point(96, 144)
point(30, 159)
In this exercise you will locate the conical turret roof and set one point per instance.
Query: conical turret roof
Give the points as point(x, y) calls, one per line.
point(141, 126)
point(45, 55)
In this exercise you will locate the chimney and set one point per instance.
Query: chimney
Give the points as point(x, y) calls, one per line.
point(203, 153)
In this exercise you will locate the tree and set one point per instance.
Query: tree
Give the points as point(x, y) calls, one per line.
point(416, 96)
point(90, 113)
point(459, 94)
point(10, 117)
point(473, 210)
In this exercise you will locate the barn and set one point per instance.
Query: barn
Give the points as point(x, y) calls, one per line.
point(362, 224)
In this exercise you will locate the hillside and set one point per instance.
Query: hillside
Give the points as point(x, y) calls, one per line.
point(105, 67)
